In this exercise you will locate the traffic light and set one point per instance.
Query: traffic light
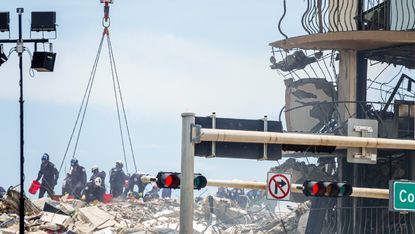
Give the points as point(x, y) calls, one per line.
point(199, 181)
point(168, 180)
point(326, 189)
point(172, 180)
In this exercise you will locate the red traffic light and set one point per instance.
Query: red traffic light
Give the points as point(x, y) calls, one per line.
point(326, 189)
point(172, 180)
point(168, 180)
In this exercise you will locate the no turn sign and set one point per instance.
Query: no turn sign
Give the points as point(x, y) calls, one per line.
point(278, 186)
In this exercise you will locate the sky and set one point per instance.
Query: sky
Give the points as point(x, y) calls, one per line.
point(172, 57)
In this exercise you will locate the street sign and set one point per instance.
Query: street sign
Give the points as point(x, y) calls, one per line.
point(278, 186)
point(402, 196)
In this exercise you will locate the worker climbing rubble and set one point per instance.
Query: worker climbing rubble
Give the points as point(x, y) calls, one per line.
point(95, 188)
point(77, 178)
point(135, 179)
point(117, 179)
point(49, 175)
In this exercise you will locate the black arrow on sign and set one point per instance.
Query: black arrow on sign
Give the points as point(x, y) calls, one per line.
point(282, 184)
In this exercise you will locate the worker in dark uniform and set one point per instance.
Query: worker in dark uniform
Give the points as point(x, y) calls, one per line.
point(49, 175)
point(135, 179)
point(77, 178)
point(2, 192)
point(166, 193)
point(152, 194)
point(117, 179)
point(66, 184)
point(95, 188)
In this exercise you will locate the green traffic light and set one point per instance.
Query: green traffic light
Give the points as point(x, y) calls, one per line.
point(199, 181)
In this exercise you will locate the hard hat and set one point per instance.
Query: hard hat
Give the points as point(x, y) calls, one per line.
point(74, 162)
point(45, 157)
point(94, 168)
point(119, 163)
point(98, 181)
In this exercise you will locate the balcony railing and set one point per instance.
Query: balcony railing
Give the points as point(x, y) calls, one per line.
point(321, 16)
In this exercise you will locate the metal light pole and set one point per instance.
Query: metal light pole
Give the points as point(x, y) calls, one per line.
point(20, 49)
point(21, 101)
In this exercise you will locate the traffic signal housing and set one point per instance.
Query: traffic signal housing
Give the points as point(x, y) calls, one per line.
point(326, 189)
point(172, 180)
point(199, 181)
point(168, 180)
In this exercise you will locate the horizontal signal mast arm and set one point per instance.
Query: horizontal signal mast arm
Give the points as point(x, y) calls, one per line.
point(297, 188)
point(221, 135)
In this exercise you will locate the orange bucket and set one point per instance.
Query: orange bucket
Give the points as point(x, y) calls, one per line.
point(34, 187)
point(107, 198)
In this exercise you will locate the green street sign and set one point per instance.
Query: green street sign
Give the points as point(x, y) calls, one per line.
point(402, 196)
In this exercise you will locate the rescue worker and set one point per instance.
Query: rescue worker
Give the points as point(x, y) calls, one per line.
point(49, 175)
point(66, 185)
point(152, 194)
point(95, 188)
point(117, 179)
point(166, 193)
point(135, 179)
point(77, 178)
point(96, 173)
point(2, 192)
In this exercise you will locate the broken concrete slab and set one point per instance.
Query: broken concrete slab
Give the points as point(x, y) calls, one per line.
point(97, 217)
point(59, 219)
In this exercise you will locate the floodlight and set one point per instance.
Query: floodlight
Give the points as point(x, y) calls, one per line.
point(43, 21)
point(4, 21)
point(43, 61)
point(3, 57)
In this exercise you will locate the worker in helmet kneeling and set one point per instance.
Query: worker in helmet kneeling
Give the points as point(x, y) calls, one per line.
point(77, 178)
point(49, 175)
point(94, 190)
point(117, 179)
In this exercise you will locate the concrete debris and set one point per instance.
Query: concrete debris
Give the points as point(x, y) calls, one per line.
point(211, 215)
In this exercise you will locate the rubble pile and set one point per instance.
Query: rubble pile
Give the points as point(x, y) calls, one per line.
point(211, 215)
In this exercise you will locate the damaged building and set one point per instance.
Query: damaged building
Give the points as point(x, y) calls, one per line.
point(354, 62)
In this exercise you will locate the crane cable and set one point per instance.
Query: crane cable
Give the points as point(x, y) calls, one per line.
point(87, 94)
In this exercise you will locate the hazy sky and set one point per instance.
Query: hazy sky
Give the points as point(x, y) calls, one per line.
point(172, 57)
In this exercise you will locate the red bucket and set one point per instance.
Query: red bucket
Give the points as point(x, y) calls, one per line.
point(107, 198)
point(34, 187)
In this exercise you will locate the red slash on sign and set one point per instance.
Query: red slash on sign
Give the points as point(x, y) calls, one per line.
point(279, 186)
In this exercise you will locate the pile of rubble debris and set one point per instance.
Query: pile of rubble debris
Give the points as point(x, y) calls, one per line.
point(211, 215)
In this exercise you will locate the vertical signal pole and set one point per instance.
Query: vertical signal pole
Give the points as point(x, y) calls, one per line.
point(186, 187)
point(21, 101)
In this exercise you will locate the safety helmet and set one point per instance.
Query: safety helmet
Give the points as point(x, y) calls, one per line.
point(98, 181)
point(119, 164)
point(74, 162)
point(45, 157)
point(94, 168)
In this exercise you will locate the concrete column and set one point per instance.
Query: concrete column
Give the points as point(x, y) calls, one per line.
point(347, 92)
point(186, 182)
point(347, 83)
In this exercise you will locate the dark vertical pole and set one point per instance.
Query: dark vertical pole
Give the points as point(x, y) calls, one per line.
point(20, 52)
point(361, 86)
point(360, 5)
